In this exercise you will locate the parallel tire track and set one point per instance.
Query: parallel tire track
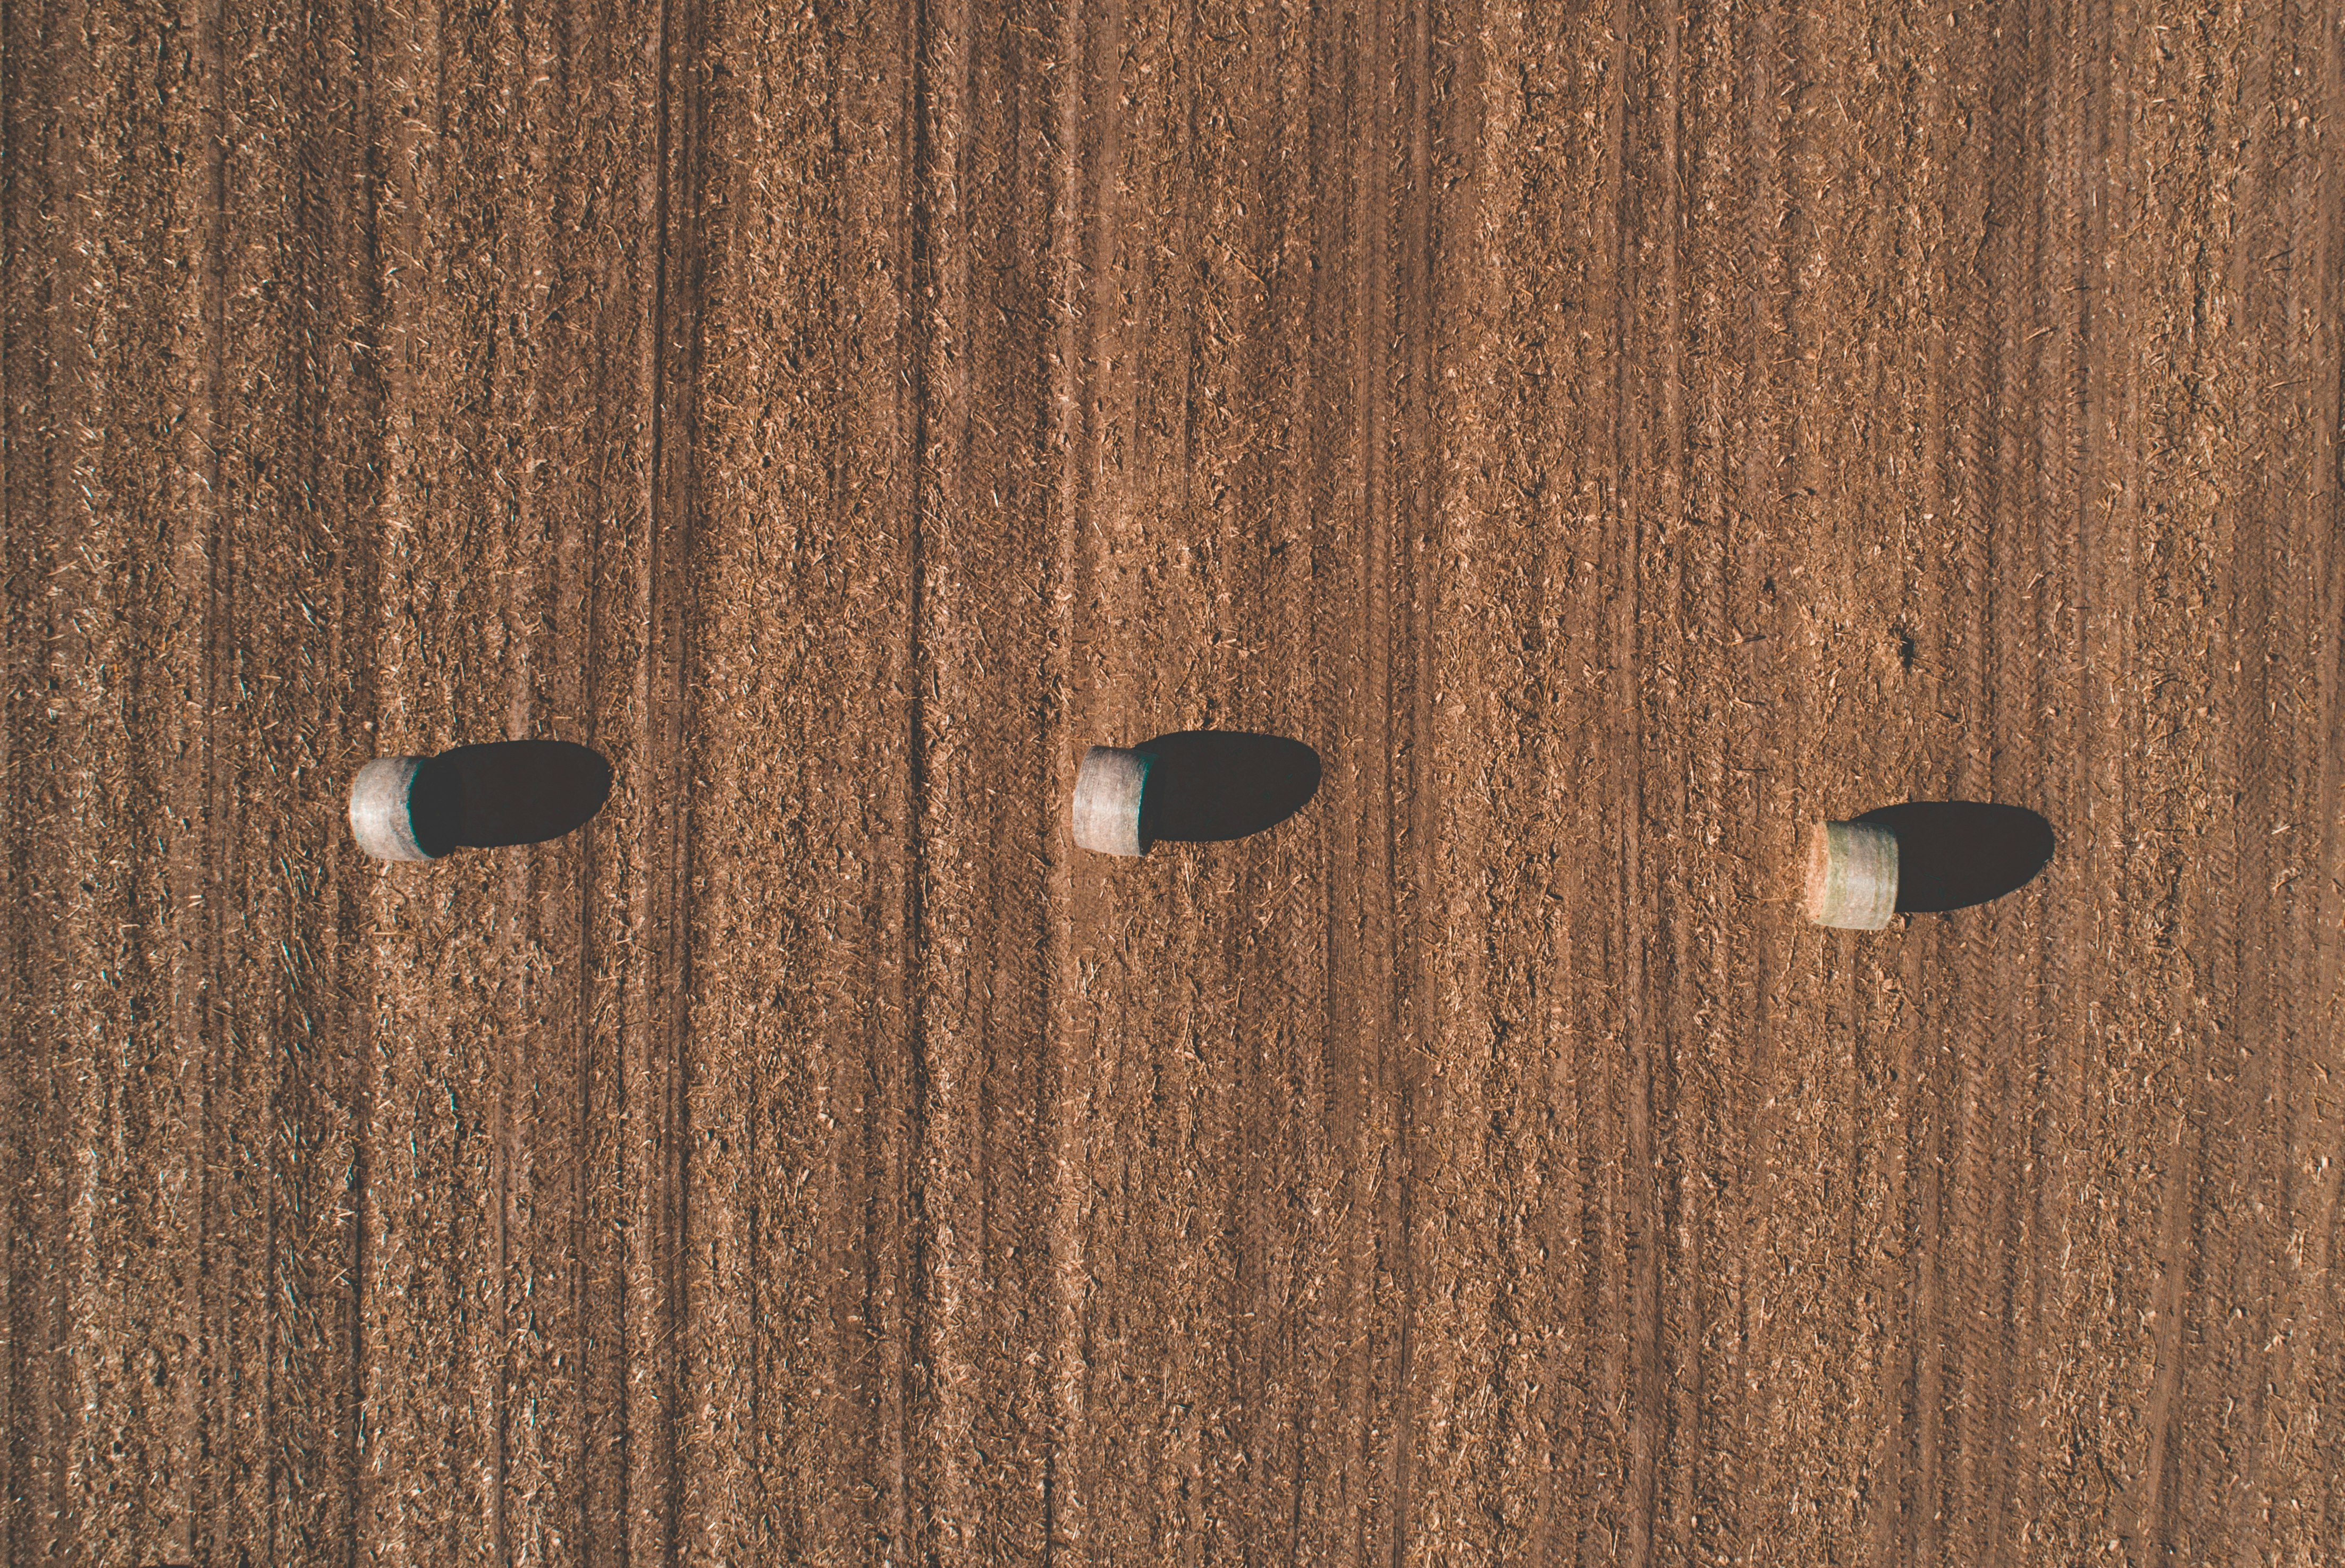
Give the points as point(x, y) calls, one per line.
point(670, 766)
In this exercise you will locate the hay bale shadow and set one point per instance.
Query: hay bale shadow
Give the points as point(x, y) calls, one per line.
point(1206, 786)
point(506, 793)
point(1953, 854)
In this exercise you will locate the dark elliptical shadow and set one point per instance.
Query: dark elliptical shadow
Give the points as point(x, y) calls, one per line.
point(1953, 854)
point(505, 793)
point(1208, 785)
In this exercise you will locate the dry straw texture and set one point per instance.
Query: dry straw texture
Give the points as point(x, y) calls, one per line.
point(1612, 436)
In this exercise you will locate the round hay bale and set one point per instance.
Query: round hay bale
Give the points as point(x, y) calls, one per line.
point(1108, 792)
point(382, 816)
point(1851, 875)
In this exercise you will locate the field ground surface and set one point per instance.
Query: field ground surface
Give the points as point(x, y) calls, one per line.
point(1612, 436)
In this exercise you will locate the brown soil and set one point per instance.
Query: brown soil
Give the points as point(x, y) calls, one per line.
point(1613, 437)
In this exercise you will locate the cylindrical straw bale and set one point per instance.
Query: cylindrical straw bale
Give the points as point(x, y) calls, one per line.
point(1851, 875)
point(380, 814)
point(1108, 791)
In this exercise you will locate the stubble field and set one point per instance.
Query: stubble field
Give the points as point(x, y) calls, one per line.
point(1612, 436)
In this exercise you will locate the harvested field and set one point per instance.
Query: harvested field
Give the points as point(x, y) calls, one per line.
point(1612, 436)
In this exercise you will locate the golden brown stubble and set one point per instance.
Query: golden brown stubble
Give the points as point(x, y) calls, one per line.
point(433, 1287)
point(1855, 374)
point(29, 1409)
point(1949, 1023)
point(520, 1065)
point(2060, 321)
point(766, 350)
point(942, 1059)
point(297, 435)
point(1751, 148)
point(1345, 474)
point(1494, 1247)
point(2019, 497)
point(1744, 156)
point(1212, 436)
point(1549, 416)
point(803, 1350)
point(2298, 1469)
point(238, 933)
point(2239, 1328)
point(200, 791)
point(2173, 1063)
point(562, 267)
point(1464, 1212)
point(1080, 140)
point(1198, 1033)
point(1479, 304)
point(877, 505)
point(1804, 489)
point(2056, 326)
point(988, 193)
point(117, 252)
point(796, 1268)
